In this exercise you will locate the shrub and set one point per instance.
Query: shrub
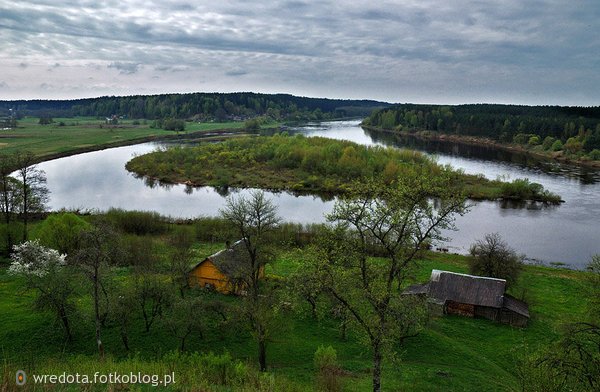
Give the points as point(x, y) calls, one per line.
point(547, 143)
point(137, 222)
point(325, 361)
point(534, 140)
point(595, 154)
point(557, 146)
point(61, 231)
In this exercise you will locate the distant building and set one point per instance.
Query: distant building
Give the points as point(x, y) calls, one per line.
point(472, 296)
point(225, 271)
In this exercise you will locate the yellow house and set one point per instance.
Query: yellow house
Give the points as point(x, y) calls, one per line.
point(224, 271)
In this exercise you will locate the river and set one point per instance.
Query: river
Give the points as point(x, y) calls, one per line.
point(569, 233)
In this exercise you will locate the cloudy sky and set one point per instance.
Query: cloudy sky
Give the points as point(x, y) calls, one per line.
point(506, 51)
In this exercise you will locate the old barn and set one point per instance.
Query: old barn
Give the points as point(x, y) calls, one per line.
point(224, 271)
point(472, 296)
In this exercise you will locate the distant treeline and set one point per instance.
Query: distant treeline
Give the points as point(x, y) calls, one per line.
point(506, 123)
point(200, 106)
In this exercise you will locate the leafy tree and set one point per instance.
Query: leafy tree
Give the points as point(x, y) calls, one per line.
point(254, 218)
point(394, 222)
point(45, 272)
point(493, 257)
point(62, 231)
point(534, 140)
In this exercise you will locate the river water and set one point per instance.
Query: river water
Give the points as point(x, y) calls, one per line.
point(569, 233)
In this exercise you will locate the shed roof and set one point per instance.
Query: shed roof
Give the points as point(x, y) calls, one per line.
point(515, 305)
point(231, 262)
point(468, 289)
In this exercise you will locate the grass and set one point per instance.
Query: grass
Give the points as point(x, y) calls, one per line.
point(452, 354)
point(86, 133)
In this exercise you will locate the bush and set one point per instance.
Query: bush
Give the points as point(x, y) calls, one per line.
point(493, 257)
point(61, 231)
point(137, 222)
point(557, 146)
point(595, 154)
point(328, 371)
point(547, 143)
point(534, 140)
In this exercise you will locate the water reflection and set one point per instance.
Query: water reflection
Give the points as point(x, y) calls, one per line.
point(568, 233)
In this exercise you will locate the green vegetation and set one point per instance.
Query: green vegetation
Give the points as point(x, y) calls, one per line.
point(451, 353)
point(316, 165)
point(197, 106)
point(572, 131)
point(86, 133)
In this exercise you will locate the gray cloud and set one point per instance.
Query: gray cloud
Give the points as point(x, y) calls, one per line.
point(125, 68)
point(462, 51)
point(3, 84)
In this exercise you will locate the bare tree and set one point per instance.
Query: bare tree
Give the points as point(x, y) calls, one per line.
point(34, 194)
point(98, 248)
point(394, 223)
point(254, 218)
point(10, 196)
point(492, 257)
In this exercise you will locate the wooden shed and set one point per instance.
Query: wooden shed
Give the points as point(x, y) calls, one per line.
point(223, 271)
point(472, 296)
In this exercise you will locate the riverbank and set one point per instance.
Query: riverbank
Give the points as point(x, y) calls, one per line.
point(315, 166)
point(486, 142)
point(81, 135)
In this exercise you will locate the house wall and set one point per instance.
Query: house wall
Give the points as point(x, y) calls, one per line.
point(460, 309)
point(513, 318)
point(486, 312)
point(207, 274)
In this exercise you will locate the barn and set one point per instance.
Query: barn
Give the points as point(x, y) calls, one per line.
point(223, 271)
point(472, 296)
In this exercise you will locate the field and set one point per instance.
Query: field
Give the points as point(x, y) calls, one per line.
point(451, 354)
point(86, 133)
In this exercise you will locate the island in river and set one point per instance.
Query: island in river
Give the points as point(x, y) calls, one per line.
point(313, 165)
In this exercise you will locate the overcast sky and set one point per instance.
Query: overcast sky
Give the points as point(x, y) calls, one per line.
point(459, 51)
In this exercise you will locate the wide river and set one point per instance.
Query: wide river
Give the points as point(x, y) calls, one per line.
point(569, 233)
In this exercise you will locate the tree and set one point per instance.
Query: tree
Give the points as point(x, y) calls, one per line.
point(61, 231)
point(10, 197)
point(492, 257)
point(254, 218)
point(186, 316)
point(394, 222)
point(44, 271)
point(98, 248)
point(151, 296)
point(122, 302)
point(34, 194)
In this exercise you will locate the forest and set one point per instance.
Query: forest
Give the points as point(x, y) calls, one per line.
point(196, 106)
point(574, 130)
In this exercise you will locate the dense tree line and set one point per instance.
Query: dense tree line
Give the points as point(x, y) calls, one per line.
point(218, 106)
point(577, 126)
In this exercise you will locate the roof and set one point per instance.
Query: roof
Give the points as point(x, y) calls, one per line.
point(232, 261)
point(417, 289)
point(468, 289)
point(515, 305)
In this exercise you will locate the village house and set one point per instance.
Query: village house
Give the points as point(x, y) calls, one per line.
point(223, 271)
point(471, 296)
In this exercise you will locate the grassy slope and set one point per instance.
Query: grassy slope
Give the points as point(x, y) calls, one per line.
point(453, 354)
point(84, 133)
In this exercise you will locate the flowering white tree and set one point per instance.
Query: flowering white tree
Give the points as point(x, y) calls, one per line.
point(32, 259)
point(44, 271)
